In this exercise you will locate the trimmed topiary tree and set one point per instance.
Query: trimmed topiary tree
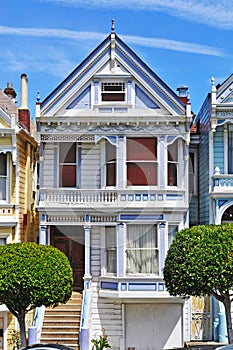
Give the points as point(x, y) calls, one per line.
point(32, 275)
point(200, 262)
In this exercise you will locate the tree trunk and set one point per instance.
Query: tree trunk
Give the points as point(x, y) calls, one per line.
point(22, 328)
point(227, 305)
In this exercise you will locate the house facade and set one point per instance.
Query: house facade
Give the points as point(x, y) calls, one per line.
point(215, 128)
point(215, 125)
point(18, 149)
point(114, 167)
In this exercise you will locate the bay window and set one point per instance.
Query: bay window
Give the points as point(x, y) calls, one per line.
point(3, 176)
point(142, 161)
point(67, 164)
point(142, 253)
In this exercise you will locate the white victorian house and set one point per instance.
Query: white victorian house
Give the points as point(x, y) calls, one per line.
point(114, 145)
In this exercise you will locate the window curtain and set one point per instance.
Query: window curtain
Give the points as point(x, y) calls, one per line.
point(110, 239)
point(142, 251)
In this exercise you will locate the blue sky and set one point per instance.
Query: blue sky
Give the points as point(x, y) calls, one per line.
point(184, 42)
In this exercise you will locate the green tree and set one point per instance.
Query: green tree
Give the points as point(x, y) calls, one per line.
point(32, 275)
point(200, 262)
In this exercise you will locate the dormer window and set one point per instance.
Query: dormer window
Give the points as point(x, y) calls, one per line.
point(113, 91)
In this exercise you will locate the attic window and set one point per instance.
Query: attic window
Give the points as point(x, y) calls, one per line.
point(113, 91)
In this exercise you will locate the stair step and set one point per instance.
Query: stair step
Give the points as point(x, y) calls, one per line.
point(61, 324)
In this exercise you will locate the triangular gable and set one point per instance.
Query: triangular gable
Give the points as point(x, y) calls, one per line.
point(143, 100)
point(82, 101)
point(5, 119)
point(225, 91)
point(97, 63)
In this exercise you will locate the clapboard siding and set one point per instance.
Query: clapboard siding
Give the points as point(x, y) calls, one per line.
point(90, 166)
point(106, 314)
point(219, 149)
point(48, 166)
point(204, 163)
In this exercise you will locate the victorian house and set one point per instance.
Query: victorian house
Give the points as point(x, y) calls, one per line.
point(18, 149)
point(215, 125)
point(114, 155)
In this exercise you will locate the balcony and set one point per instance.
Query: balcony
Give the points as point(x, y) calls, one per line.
point(112, 198)
point(222, 184)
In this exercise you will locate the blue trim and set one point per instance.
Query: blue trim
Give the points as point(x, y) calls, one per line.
point(129, 217)
point(142, 286)
point(109, 285)
point(173, 196)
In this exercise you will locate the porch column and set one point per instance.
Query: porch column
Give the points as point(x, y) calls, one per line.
point(121, 159)
point(162, 252)
point(43, 235)
point(87, 230)
point(162, 161)
point(121, 246)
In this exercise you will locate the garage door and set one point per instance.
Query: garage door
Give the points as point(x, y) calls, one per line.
point(153, 327)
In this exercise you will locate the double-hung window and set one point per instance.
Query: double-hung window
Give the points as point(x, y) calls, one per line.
point(67, 164)
point(172, 160)
point(142, 161)
point(142, 253)
point(110, 156)
point(3, 176)
point(110, 242)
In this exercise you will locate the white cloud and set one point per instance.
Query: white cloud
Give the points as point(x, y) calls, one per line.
point(137, 40)
point(210, 12)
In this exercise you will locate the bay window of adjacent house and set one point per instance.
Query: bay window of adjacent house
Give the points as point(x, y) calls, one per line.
point(113, 91)
point(142, 161)
point(3, 176)
point(67, 164)
point(142, 253)
point(110, 156)
point(172, 163)
point(230, 149)
point(110, 243)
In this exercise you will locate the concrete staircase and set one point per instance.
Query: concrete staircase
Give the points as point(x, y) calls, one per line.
point(61, 324)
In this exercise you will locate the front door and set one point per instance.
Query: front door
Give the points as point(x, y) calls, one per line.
point(70, 240)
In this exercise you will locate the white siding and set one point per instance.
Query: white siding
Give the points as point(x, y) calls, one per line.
point(90, 173)
point(106, 314)
point(49, 166)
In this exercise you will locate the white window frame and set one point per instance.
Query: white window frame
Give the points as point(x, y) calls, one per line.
point(7, 178)
point(113, 83)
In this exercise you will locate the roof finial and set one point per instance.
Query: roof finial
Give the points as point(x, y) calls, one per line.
point(113, 26)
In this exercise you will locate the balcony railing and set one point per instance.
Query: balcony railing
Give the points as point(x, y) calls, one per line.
point(222, 182)
point(120, 197)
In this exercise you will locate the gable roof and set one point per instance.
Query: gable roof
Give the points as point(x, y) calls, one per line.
point(112, 48)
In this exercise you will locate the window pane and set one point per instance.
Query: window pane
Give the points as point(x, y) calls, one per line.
point(142, 174)
point(2, 188)
point(3, 164)
point(67, 153)
point(172, 156)
point(113, 97)
point(111, 174)
point(110, 241)
point(110, 164)
point(67, 176)
point(172, 174)
point(172, 231)
point(3, 176)
point(142, 249)
point(2, 241)
point(141, 149)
